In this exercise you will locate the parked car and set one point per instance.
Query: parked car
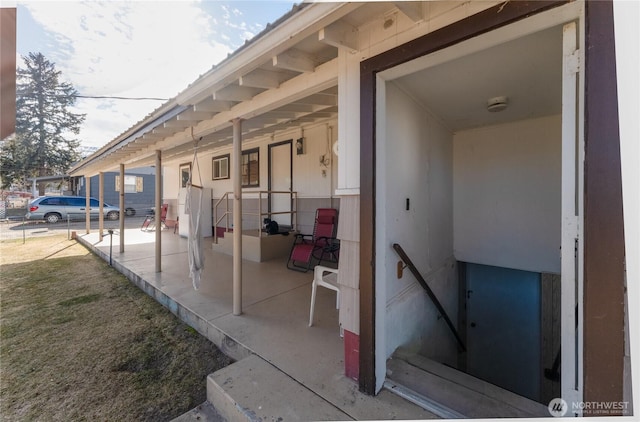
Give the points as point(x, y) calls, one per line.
point(55, 208)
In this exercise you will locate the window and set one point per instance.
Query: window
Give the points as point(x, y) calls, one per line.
point(132, 184)
point(221, 167)
point(251, 168)
point(78, 202)
point(53, 201)
point(185, 174)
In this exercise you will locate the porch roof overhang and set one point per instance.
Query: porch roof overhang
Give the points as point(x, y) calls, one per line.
point(284, 78)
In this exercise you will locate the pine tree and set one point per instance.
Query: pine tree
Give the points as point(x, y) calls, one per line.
point(44, 144)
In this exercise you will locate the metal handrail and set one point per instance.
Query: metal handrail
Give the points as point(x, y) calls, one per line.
point(225, 197)
point(216, 220)
point(405, 258)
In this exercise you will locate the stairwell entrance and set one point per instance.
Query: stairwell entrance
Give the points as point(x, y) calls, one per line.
point(487, 205)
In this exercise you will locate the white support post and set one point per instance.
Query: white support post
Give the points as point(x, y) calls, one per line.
point(87, 179)
point(158, 205)
point(121, 188)
point(101, 199)
point(237, 216)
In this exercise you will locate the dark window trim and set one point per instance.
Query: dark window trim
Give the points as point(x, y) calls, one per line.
point(248, 152)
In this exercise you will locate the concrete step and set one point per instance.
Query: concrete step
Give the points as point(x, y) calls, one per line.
point(202, 413)
point(254, 390)
point(256, 248)
point(450, 393)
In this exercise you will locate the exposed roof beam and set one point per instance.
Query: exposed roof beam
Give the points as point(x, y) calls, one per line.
point(296, 107)
point(173, 124)
point(163, 131)
point(340, 35)
point(261, 79)
point(325, 76)
point(303, 24)
point(194, 116)
point(213, 106)
point(319, 99)
point(411, 9)
point(295, 60)
point(236, 93)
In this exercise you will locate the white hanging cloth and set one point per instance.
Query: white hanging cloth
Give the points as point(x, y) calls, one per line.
point(193, 205)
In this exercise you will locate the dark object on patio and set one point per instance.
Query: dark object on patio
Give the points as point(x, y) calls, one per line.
point(149, 222)
point(321, 245)
point(272, 227)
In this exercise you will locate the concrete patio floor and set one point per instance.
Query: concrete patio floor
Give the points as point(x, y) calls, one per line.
point(272, 332)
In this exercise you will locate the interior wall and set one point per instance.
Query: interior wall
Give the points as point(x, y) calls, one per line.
point(507, 195)
point(416, 162)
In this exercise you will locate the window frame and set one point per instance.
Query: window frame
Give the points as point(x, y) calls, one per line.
point(220, 158)
point(248, 153)
point(184, 169)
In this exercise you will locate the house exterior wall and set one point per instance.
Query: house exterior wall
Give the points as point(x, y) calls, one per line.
point(314, 182)
point(507, 190)
point(415, 164)
point(140, 201)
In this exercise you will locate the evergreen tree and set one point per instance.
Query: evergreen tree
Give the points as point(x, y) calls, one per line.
point(44, 144)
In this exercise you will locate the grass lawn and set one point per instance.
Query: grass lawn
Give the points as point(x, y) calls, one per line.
point(78, 341)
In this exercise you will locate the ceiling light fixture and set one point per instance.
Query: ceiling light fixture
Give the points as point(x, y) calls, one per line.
point(496, 104)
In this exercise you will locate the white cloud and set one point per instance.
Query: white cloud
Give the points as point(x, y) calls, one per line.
point(139, 49)
point(129, 49)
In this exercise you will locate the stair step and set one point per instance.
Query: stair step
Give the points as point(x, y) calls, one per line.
point(455, 391)
point(203, 413)
point(254, 390)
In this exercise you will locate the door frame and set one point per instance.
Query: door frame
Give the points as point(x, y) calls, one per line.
point(603, 264)
point(269, 182)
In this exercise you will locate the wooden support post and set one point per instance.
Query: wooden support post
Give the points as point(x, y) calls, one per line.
point(237, 216)
point(101, 199)
point(158, 205)
point(122, 213)
point(87, 195)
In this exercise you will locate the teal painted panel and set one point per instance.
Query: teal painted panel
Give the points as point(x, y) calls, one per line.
point(504, 328)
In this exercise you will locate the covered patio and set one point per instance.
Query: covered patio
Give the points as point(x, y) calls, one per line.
point(303, 367)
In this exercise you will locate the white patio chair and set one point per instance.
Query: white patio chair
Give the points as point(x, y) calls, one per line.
point(324, 277)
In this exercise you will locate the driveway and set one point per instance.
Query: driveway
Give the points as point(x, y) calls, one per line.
point(15, 228)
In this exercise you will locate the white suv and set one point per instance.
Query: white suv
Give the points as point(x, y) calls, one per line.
point(55, 208)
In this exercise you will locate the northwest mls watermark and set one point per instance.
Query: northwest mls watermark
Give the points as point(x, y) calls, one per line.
point(559, 407)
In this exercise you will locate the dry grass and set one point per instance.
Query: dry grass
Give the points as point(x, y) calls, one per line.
point(79, 342)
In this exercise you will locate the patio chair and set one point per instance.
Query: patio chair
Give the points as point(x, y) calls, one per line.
point(319, 246)
point(324, 277)
point(149, 222)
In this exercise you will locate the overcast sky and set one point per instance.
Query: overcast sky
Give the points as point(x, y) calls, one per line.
point(135, 49)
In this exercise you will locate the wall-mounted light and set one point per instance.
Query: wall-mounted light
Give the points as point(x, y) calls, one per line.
point(300, 146)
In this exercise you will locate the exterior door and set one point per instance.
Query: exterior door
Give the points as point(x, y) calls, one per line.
point(504, 328)
point(280, 180)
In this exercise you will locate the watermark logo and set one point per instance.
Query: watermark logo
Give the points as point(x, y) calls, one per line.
point(558, 407)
